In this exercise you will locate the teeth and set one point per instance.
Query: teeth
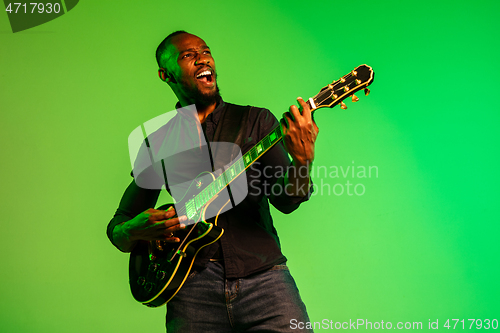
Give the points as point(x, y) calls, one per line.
point(207, 72)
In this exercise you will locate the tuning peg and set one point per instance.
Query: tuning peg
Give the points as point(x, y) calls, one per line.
point(367, 91)
point(343, 106)
point(354, 98)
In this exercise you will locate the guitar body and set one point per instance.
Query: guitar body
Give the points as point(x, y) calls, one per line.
point(158, 269)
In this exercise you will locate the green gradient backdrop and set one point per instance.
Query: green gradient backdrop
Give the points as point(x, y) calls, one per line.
point(421, 243)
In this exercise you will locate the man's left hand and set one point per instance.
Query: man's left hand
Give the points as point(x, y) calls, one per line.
point(300, 133)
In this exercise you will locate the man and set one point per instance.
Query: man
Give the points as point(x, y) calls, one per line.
point(240, 282)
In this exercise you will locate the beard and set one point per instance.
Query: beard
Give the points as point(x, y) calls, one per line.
point(202, 99)
point(205, 99)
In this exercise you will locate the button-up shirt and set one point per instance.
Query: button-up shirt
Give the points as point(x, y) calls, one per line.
point(250, 242)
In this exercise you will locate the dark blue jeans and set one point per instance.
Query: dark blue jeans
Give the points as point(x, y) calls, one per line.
point(263, 302)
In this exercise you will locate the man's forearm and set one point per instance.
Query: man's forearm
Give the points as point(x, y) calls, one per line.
point(297, 180)
point(121, 237)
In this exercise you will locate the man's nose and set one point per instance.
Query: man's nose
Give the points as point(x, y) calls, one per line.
point(202, 59)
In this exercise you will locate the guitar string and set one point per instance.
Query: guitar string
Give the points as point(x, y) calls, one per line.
point(322, 96)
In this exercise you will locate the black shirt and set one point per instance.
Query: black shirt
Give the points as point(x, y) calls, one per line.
point(250, 242)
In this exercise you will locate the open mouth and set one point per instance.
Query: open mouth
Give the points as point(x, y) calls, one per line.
point(205, 76)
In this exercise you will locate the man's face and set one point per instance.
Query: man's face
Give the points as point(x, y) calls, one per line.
point(191, 64)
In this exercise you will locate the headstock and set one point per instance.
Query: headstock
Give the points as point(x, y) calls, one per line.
point(334, 93)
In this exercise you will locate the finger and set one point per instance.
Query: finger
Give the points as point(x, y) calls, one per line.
point(285, 121)
point(288, 116)
point(159, 215)
point(176, 221)
point(172, 240)
point(306, 110)
point(284, 126)
point(175, 227)
point(315, 126)
point(295, 111)
point(170, 212)
point(171, 237)
point(169, 233)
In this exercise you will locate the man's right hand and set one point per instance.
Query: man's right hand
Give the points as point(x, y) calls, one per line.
point(152, 224)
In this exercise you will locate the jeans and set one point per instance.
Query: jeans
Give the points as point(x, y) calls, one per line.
point(262, 302)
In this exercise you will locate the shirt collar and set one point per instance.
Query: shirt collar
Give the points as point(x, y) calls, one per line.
point(213, 117)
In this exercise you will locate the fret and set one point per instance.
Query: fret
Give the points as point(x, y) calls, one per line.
point(248, 159)
point(237, 168)
point(232, 172)
point(259, 148)
point(266, 142)
point(253, 154)
point(272, 136)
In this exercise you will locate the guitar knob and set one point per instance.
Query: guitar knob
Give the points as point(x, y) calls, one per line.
point(343, 106)
point(160, 275)
point(153, 266)
point(354, 98)
point(367, 91)
point(149, 286)
point(141, 280)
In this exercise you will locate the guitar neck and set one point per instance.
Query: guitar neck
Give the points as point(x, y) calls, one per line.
point(329, 96)
point(240, 165)
point(230, 173)
point(255, 153)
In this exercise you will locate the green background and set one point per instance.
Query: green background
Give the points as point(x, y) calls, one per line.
point(422, 241)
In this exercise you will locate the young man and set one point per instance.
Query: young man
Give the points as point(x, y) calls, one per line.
point(240, 282)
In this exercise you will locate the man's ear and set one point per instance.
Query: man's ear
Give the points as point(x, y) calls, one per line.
point(165, 77)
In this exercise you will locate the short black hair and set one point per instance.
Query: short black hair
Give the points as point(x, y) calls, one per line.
point(160, 50)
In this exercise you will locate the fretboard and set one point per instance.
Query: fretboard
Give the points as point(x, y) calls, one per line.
point(329, 96)
point(233, 171)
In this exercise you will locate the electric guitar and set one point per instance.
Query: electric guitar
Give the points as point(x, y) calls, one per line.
point(158, 269)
